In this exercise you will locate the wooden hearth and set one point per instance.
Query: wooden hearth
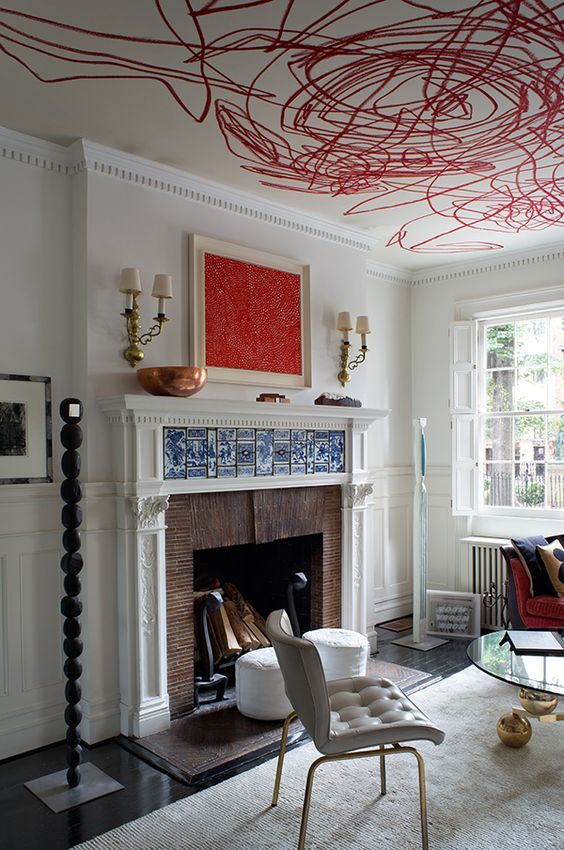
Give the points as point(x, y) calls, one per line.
point(197, 521)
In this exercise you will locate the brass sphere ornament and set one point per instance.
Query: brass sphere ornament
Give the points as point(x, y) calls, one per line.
point(538, 703)
point(514, 731)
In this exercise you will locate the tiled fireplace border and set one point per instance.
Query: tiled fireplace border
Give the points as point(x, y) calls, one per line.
point(138, 423)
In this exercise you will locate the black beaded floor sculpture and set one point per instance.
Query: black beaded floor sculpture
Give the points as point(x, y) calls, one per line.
point(66, 789)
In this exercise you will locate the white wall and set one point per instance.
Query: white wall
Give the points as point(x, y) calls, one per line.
point(63, 241)
point(433, 308)
point(35, 329)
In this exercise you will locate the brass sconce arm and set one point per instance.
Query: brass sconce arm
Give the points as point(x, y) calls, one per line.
point(131, 286)
point(363, 328)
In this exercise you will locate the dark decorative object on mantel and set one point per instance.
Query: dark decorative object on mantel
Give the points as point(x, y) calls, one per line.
point(66, 789)
point(337, 400)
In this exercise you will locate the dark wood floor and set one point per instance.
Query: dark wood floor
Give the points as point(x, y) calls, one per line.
point(27, 824)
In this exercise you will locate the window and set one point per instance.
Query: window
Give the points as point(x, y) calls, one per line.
point(521, 412)
point(507, 406)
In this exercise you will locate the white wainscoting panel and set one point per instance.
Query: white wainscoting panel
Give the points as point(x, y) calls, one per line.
point(41, 589)
point(390, 547)
point(4, 644)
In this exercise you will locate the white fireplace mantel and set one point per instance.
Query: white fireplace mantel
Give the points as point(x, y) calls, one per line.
point(137, 437)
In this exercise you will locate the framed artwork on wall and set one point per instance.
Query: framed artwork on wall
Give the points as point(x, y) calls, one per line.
point(452, 614)
point(249, 315)
point(25, 429)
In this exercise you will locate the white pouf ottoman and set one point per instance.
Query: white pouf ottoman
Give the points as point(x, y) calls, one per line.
point(259, 686)
point(343, 653)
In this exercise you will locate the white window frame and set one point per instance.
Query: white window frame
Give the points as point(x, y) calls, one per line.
point(467, 468)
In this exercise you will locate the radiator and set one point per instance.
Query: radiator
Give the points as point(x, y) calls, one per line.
point(487, 576)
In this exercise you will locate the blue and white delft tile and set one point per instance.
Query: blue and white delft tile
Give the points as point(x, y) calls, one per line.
point(322, 467)
point(265, 450)
point(298, 469)
point(281, 468)
point(321, 447)
point(212, 453)
point(281, 433)
point(226, 434)
point(226, 472)
point(174, 440)
point(337, 451)
point(226, 452)
point(298, 453)
point(197, 433)
point(245, 433)
point(246, 453)
point(281, 451)
point(298, 435)
point(195, 453)
point(245, 471)
point(310, 453)
point(197, 472)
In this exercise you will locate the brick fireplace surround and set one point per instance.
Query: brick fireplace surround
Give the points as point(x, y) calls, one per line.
point(161, 522)
point(205, 521)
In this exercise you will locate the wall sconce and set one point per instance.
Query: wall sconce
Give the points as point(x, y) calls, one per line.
point(344, 324)
point(130, 284)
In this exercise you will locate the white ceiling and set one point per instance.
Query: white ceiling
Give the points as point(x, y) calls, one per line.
point(435, 125)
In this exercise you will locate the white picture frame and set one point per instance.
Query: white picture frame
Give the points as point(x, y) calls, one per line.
point(200, 246)
point(452, 614)
point(25, 429)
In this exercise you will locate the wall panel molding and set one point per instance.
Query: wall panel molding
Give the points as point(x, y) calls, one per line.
point(4, 640)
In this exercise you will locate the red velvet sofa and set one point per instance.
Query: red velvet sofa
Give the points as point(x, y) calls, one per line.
point(527, 611)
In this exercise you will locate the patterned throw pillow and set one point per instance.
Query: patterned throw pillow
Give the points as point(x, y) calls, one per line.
point(526, 548)
point(552, 557)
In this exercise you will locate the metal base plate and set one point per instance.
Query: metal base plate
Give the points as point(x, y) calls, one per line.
point(53, 790)
point(423, 645)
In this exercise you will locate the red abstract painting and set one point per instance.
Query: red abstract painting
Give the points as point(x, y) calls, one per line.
point(252, 316)
point(448, 111)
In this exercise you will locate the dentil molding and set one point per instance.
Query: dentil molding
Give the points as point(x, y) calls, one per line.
point(84, 155)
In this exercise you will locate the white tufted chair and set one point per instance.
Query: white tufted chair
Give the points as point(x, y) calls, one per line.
point(346, 718)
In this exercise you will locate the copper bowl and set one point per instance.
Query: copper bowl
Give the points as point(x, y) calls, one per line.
point(172, 380)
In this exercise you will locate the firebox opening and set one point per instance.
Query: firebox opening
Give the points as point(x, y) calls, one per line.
point(262, 572)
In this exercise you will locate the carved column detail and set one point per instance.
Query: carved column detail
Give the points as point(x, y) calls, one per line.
point(147, 565)
point(148, 509)
point(354, 499)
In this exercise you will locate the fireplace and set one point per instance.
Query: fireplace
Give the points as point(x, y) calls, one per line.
point(191, 475)
point(199, 524)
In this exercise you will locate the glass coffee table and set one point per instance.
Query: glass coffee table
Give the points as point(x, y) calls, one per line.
point(539, 677)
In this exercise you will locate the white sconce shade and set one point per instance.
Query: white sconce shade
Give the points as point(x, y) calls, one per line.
point(162, 286)
point(344, 322)
point(130, 281)
point(362, 325)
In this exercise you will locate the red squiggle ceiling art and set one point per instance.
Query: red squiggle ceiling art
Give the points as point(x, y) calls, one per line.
point(452, 110)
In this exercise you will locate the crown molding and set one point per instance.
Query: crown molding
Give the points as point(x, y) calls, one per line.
point(389, 274)
point(84, 155)
point(31, 151)
point(553, 252)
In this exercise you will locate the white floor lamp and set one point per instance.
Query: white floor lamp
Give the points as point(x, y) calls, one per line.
point(419, 639)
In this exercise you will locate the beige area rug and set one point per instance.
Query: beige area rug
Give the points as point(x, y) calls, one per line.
point(481, 794)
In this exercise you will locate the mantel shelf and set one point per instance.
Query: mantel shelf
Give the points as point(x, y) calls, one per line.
point(200, 409)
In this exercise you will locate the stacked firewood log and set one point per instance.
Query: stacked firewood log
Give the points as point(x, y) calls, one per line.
point(234, 628)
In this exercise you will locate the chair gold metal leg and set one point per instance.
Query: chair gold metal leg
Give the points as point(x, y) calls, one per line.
point(307, 799)
point(422, 799)
point(382, 752)
point(383, 789)
point(281, 755)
